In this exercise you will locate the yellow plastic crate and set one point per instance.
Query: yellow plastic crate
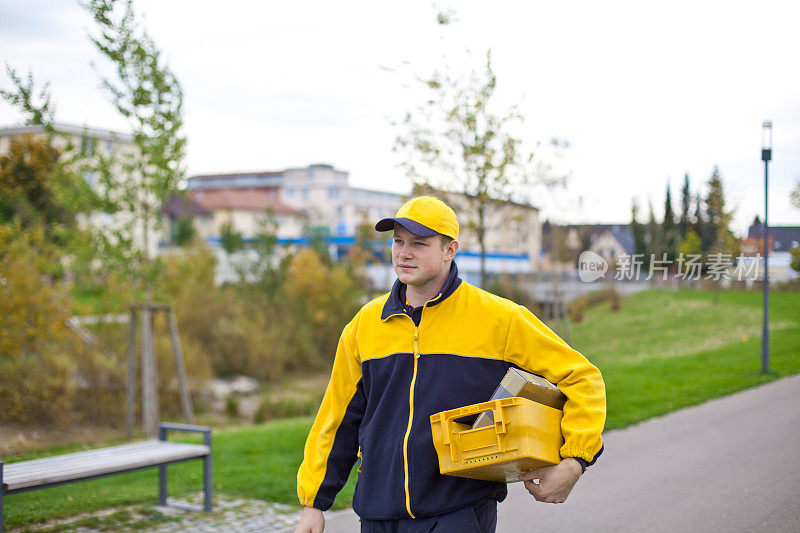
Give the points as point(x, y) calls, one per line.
point(525, 435)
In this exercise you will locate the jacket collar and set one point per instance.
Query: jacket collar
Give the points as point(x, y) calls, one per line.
point(395, 304)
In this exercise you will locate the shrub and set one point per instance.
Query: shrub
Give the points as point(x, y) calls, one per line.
point(286, 408)
point(232, 406)
point(35, 372)
point(577, 308)
point(289, 319)
point(509, 287)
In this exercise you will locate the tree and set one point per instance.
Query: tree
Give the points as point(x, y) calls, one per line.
point(656, 244)
point(795, 195)
point(718, 237)
point(145, 91)
point(639, 241)
point(457, 134)
point(698, 219)
point(795, 255)
point(686, 206)
point(184, 230)
point(690, 245)
point(32, 185)
point(669, 231)
point(230, 239)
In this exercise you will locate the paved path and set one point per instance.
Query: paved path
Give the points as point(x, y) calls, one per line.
point(732, 464)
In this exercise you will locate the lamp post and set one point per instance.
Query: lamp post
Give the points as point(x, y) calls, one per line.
point(766, 156)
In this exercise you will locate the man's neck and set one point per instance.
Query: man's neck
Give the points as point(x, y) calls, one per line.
point(418, 295)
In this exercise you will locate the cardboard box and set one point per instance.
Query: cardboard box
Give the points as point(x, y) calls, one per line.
point(524, 385)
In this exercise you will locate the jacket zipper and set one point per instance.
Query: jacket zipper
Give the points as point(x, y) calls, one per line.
point(410, 420)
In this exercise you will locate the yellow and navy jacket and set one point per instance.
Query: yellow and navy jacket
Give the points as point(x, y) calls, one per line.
point(395, 366)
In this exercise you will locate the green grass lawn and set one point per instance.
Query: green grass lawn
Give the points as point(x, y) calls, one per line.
point(670, 349)
point(662, 351)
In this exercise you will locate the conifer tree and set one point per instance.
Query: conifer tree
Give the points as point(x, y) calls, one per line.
point(698, 219)
point(639, 241)
point(669, 231)
point(718, 238)
point(656, 243)
point(686, 207)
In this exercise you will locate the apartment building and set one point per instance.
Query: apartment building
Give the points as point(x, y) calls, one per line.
point(331, 207)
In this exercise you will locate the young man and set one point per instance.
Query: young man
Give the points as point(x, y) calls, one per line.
point(435, 343)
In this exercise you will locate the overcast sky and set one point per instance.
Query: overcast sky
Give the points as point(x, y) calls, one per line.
point(643, 92)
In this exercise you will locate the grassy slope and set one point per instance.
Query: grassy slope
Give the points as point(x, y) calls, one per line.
point(663, 350)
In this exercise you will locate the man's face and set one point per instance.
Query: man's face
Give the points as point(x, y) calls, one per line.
point(419, 261)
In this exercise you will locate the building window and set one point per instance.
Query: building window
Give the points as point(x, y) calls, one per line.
point(91, 178)
point(334, 193)
point(88, 145)
point(304, 193)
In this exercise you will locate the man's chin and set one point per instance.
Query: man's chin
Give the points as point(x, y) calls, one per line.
point(405, 277)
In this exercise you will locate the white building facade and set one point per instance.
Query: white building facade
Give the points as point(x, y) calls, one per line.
point(90, 144)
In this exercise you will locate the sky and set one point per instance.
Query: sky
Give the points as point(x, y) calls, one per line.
point(644, 92)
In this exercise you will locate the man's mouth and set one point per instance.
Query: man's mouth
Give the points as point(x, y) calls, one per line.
point(407, 267)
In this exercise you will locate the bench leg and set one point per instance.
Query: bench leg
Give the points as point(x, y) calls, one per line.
point(162, 485)
point(207, 483)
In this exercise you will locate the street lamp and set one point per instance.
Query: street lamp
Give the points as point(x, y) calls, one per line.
point(766, 156)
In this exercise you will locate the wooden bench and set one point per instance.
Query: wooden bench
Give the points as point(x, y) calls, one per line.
point(23, 476)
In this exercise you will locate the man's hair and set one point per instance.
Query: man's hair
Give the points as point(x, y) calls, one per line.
point(445, 240)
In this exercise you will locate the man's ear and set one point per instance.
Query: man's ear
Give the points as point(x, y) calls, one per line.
point(452, 248)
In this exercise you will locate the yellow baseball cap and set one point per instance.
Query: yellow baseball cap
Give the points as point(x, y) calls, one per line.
point(423, 216)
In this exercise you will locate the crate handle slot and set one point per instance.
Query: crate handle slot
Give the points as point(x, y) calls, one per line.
point(453, 434)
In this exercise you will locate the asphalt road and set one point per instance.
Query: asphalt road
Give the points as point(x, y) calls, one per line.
point(732, 464)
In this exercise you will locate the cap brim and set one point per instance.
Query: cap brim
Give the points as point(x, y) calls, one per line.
point(387, 224)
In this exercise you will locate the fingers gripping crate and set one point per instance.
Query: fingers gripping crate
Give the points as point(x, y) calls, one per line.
point(525, 435)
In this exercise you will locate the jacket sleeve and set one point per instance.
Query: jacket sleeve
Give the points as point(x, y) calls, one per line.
point(332, 443)
point(532, 346)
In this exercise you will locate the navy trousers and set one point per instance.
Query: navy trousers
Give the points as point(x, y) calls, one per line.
point(478, 518)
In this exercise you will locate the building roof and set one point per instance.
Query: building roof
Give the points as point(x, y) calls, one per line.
point(624, 236)
point(179, 205)
point(621, 232)
point(243, 199)
point(782, 237)
point(96, 133)
point(238, 174)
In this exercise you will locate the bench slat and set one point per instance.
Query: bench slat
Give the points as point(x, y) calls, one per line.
point(97, 462)
point(87, 455)
point(83, 463)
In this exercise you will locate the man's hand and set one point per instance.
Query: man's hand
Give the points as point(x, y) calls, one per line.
point(555, 482)
point(311, 521)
